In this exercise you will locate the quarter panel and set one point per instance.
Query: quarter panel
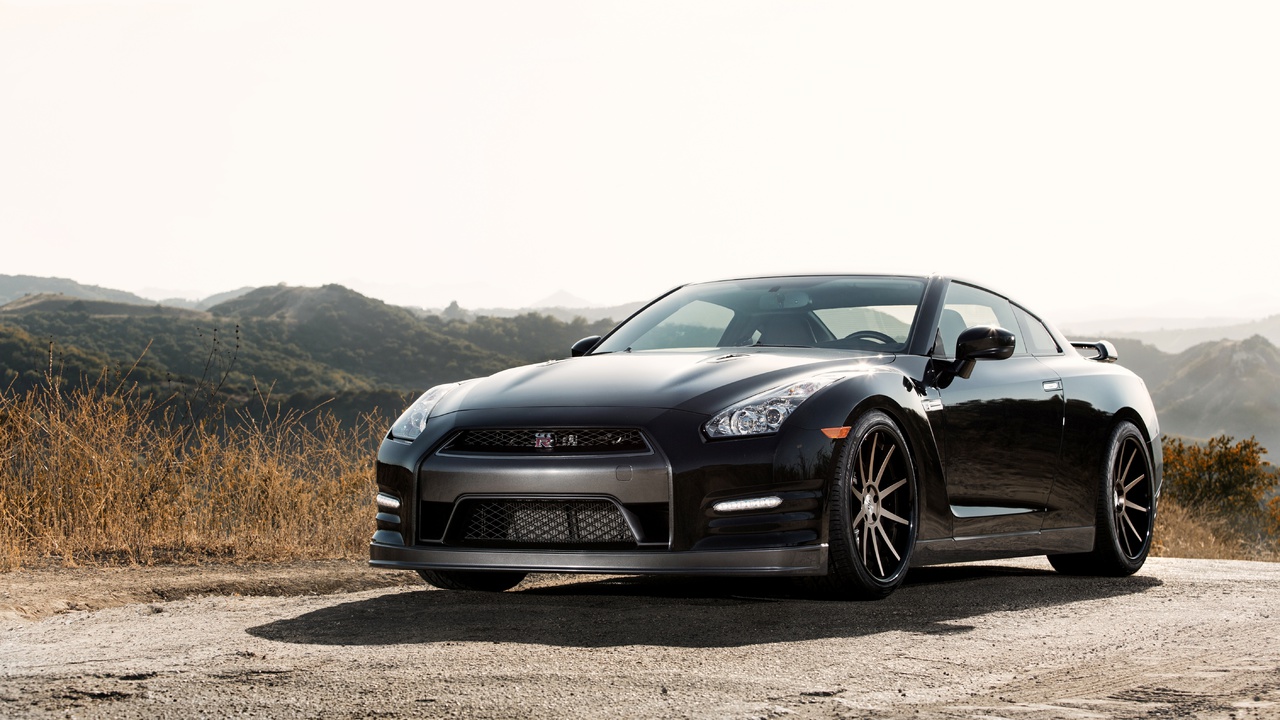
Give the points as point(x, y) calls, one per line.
point(1098, 396)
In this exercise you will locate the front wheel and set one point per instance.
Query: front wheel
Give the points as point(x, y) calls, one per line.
point(1126, 511)
point(873, 513)
point(483, 580)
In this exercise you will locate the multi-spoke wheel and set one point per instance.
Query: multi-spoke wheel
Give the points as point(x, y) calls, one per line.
point(1126, 511)
point(484, 580)
point(873, 512)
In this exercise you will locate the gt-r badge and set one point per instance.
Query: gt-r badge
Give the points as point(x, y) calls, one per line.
point(544, 440)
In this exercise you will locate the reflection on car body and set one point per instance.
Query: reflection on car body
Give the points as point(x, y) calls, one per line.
point(837, 428)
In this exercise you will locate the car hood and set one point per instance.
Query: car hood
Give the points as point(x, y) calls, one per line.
point(697, 381)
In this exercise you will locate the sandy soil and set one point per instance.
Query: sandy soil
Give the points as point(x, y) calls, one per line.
point(1183, 638)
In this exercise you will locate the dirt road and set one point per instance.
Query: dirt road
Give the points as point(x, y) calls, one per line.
point(1012, 639)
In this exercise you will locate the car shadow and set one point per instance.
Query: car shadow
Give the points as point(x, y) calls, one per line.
point(689, 612)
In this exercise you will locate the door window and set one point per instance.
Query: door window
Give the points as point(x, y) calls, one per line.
point(1039, 340)
point(967, 306)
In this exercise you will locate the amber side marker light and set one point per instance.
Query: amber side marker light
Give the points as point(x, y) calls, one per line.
point(836, 433)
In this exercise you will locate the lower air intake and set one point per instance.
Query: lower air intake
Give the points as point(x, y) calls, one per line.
point(544, 523)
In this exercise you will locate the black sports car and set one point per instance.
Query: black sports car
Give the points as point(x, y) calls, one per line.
point(842, 428)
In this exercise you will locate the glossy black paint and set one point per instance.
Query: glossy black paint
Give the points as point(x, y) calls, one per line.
point(1007, 447)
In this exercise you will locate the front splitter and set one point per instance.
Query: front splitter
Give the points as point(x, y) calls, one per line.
point(808, 560)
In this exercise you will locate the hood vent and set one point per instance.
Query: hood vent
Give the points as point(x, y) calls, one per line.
point(726, 358)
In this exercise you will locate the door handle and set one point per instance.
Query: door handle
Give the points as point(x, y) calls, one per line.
point(1052, 385)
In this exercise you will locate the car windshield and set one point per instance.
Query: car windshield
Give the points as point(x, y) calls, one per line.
point(853, 313)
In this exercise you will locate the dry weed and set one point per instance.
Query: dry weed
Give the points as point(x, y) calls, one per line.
point(100, 476)
point(1186, 534)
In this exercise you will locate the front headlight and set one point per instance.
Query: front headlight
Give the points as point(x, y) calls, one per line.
point(413, 420)
point(764, 413)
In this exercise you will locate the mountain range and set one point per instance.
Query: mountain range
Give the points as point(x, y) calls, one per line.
point(302, 346)
point(1174, 338)
point(308, 345)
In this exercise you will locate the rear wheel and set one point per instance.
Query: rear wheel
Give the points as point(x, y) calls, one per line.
point(483, 580)
point(1126, 511)
point(873, 514)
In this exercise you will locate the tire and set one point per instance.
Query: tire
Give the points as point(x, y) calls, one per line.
point(1126, 511)
point(481, 580)
point(873, 514)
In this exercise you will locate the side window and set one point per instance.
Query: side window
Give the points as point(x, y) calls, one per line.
point(1039, 340)
point(966, 306)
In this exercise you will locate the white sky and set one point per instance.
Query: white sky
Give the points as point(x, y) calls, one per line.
point(1092, 159)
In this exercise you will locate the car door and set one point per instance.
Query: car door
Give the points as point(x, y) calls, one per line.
point(1001, 427)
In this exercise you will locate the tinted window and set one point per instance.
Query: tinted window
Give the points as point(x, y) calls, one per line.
point(1039, 340)
point(698, 324)
point(967, 306)
point(853, 313)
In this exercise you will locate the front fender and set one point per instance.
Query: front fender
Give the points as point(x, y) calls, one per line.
point(892, 390)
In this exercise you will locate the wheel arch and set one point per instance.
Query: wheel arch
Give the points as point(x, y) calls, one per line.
point(1153, 441)
point(894, 394)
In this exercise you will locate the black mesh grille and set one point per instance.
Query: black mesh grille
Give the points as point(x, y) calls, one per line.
point(553, 441)
point(527, 523)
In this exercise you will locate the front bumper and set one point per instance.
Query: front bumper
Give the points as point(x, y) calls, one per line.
point(807, 560)
point(667, 494)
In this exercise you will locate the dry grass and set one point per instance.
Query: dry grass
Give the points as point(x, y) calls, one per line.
point(105, 477)
point(1182, 533)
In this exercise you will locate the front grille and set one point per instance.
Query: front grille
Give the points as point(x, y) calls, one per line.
point(562, 441)
point(541, 523)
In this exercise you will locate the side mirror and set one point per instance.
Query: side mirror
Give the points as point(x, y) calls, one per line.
point(584, 346)
point(982, 342)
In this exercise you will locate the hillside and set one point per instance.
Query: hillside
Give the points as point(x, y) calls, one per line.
point(306, 346)
point(1224, 388)
point(1230, 387)
point(26, 360)
point(208, 302)
point(53, 303)
point(13, 287)
point(384, 344)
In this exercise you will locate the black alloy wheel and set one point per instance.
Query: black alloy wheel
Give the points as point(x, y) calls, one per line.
point(873, 515)
point(482, 580)
point(1126, 511)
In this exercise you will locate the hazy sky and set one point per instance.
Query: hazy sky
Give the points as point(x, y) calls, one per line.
point(1089, 158)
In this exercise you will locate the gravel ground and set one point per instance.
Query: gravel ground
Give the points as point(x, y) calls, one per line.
point(1183, 638)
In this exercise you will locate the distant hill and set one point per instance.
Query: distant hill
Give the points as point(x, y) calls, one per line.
point(385, 344)
point(13, 287)
point(1230, 387)
point(306, 346)
point(616, 313)
point(208, 302)
point(49, 302)
point(560, 298)
point(170, 344)
point(1177, 340)
point(1125, 326)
